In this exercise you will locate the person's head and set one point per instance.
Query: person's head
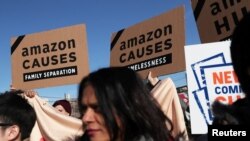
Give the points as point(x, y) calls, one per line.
point(63, 106)
point(116, 105)
point(240, 52)
point(17, 117)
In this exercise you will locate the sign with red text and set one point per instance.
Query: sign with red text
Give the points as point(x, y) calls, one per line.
point(50, 58)
point(210, 77)
point(155, 45)
point(216, 19)
point(222, 83)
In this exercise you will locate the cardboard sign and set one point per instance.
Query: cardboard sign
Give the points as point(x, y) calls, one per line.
point(51, 58)
point(155, 45)
point(216, 19)
point(210, 77)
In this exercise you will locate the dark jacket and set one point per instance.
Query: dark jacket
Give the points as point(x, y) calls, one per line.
point(236, 114)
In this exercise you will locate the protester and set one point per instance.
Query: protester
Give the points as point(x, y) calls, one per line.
point(17, 117)
point(63, 106)
point(116, 106)
point(51, 125)
point(238, 112)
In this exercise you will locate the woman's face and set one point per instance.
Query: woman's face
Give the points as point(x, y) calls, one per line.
point(92, 118)
point(60, 109)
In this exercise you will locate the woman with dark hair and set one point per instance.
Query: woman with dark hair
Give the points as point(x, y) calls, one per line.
point(116, 105)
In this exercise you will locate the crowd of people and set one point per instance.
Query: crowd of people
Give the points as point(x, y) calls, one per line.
point(116, 105)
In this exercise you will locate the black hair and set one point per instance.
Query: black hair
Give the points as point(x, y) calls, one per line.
point(15, 110)
point(238, 112)
point(240, 53)
point(121, 92)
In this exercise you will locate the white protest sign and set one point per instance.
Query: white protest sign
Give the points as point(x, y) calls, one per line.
point(210, 77)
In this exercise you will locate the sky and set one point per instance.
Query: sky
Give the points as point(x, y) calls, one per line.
point(101, 18)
